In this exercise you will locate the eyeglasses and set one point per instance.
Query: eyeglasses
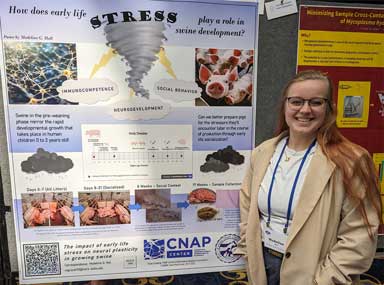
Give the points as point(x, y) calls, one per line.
point(296, 103)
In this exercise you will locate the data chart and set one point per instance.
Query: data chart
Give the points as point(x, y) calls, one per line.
point(137, 151)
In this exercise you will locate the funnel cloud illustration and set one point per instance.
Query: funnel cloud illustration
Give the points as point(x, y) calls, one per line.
point(138, 43)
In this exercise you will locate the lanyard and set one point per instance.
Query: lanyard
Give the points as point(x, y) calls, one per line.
point(293, 186)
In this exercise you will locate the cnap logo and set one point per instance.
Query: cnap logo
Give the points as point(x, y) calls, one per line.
point(183, 247)
point(154, 248)
point(174, 247)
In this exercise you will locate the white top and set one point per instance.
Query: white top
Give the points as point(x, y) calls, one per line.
point(284, 178)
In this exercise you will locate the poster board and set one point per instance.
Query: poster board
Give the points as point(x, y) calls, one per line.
point(347, 43)
point(126, 148)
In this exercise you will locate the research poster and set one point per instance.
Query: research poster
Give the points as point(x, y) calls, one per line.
point(129, 128)
point(348, 44)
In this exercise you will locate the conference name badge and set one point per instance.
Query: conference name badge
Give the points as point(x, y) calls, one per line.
point(273, 239)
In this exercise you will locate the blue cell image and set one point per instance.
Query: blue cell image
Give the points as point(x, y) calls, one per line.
point(154, 249)
point(35, 70)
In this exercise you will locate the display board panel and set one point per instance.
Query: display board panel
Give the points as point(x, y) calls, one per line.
point(129, 128)
point(348, 44)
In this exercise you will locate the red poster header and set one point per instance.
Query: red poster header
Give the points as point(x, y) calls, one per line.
point(341, 19)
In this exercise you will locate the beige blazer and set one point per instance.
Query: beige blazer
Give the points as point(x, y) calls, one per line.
point(328, 242)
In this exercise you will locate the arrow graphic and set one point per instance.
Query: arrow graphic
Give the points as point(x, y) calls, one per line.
point(79, 208)
point(135, 207)
point(184, 204)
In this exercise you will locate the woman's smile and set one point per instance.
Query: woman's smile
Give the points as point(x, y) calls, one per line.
point(303, 113)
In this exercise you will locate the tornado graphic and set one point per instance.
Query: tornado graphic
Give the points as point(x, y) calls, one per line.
point(138, 43)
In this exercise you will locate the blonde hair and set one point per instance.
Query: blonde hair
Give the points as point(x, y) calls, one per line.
point(351, 159)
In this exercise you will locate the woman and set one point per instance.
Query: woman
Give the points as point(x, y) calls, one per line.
point(310, 205)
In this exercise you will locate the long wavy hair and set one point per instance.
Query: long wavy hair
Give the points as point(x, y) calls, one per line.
point(351, 159)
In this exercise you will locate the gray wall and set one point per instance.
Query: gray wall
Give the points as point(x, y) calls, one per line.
point(276, 65)
point(7, 186)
